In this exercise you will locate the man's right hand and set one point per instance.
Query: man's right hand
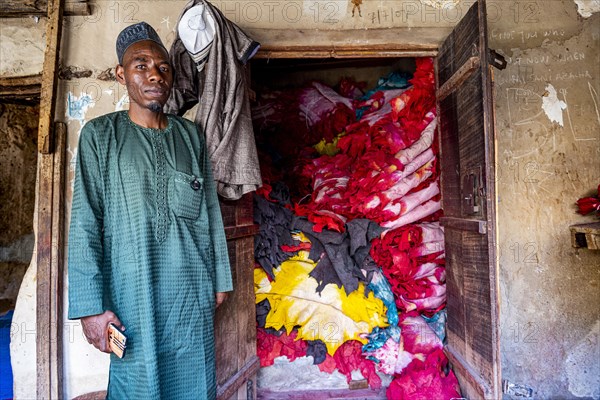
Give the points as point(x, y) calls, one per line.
point(95, 329)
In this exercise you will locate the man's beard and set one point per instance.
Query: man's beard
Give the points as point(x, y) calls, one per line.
point(155, 107)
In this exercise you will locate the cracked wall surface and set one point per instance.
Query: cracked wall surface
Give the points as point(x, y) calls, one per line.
point(549, 291)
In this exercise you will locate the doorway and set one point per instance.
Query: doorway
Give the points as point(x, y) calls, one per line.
point(18, 164)
point(285, 135)
point(467, 146)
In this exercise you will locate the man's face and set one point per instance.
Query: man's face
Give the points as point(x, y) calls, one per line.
point(147, 74)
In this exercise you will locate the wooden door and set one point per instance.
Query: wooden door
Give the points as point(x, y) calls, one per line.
point(469, 200)
point(235, 320)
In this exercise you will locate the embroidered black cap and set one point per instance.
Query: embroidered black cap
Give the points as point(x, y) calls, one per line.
point(133, 34)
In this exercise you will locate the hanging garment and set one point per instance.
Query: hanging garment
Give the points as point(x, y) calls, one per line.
point(147, 242)
point(220, 90)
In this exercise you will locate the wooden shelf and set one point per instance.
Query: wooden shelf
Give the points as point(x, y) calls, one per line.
point(21, 9)
point(586, 235)
point(25, 89)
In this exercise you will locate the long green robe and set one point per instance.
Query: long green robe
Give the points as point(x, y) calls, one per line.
point(146, 241)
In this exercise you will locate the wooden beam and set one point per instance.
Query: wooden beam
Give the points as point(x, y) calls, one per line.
point(49, 213)
point(273, 52)
point(234, 232)
point(47, 104)
point(366, 41)
point(351, 43)
point(471, 225)
point(471, 384)
point(7, 83)
point(43, 253)
point(49, 250)
point(57, 259)
point(20, 9)
point(228, 389)
point(325, 49)
point(461, 75)
point(21, 89)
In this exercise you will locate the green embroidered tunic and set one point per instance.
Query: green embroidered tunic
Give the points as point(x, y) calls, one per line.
point(146, 241)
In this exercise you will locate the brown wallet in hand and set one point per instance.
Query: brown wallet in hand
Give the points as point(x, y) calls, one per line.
point(117, 341)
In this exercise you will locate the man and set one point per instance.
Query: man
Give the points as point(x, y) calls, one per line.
point(147, 250)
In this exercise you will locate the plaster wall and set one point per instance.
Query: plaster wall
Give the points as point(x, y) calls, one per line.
point(549, 292)
point(22, 46)
point(548, 130)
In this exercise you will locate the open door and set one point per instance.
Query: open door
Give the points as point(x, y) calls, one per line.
point(467, 145)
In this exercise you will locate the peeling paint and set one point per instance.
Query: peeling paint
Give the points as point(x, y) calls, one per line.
point(72, 163)
point(585, 382)
point(552, 106)
point(107, 75)
point(77, 107)
point(72, 72)
point(123, 103)
point(586, 8)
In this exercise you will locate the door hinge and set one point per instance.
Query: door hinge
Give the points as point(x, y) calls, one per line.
point(516, 389)
point(497, 60)
point(250, 389)
point(472, 191)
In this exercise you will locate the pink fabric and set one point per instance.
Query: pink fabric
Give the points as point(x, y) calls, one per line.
point(414, 269)
point(269, 347)
point(387, 155)
point(425, 380)
point(349, 358)
point(417, 342)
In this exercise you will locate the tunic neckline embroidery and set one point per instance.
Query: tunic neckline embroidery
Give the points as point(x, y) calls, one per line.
point(167, 129)
point(161, 219)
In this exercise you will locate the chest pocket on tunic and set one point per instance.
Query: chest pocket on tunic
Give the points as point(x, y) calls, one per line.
point(186, 193)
